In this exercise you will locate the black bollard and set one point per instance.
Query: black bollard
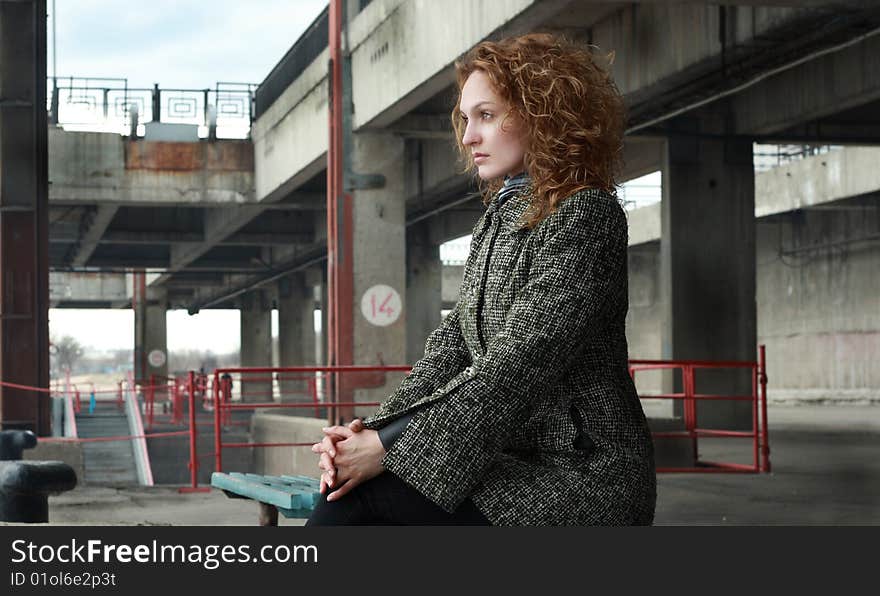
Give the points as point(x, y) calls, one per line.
point(25, 487)
point(13, 442)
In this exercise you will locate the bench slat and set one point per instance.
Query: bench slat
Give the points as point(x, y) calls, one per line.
point(293, 496)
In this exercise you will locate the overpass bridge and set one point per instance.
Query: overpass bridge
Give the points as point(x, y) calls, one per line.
point(242, 223)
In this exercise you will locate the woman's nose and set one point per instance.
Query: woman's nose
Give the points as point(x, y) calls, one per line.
point(470, 135)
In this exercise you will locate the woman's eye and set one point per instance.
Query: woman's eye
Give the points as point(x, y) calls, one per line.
point(486, 115)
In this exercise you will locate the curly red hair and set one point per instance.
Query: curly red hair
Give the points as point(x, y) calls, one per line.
point(572, 113)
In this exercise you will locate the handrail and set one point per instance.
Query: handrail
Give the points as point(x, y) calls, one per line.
point(138, 442)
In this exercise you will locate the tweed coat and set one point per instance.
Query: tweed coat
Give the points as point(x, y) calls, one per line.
point(523, 400)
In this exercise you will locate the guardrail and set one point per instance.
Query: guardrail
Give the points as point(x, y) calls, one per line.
point(111, 105)
point(689, 396)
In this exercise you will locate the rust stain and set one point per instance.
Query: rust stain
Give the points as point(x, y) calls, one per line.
point(219, 156)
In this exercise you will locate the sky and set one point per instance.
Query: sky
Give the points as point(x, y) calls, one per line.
point(176, 43)
point(191, 45)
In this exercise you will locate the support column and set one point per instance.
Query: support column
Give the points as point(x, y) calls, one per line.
point(379, 245)
point(424, 282)
point(256, 345)
point(707, 258)
point(24, 208)
point(296, 334)
point(150, 333)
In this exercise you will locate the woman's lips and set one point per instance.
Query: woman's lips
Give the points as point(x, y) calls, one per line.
point(479, 157)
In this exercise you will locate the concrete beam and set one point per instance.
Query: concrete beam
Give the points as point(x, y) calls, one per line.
point(394, 71)
point(91, 168)
point(820, 87)
point(424, 126)
point(806, 183)
point(839, 174)
point(87, 287)
point(93, 235)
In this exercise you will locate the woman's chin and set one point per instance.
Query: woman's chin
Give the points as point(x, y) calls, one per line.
point(487, 174)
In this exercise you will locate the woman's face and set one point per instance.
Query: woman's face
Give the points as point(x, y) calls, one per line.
point(495, 142)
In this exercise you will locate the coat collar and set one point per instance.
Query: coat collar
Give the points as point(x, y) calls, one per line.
point(512, 204)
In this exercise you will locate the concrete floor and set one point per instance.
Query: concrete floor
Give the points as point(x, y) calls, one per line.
point(826, 471)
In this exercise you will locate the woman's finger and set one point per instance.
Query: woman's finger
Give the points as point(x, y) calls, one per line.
point(327, 481)
point(326, 464)
point(341, 431)
point(328, 446)
point(356, 425)
point(343, 490)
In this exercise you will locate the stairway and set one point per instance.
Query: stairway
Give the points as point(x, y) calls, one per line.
point(108, 463)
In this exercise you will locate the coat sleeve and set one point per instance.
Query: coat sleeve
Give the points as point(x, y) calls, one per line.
point(579, 261)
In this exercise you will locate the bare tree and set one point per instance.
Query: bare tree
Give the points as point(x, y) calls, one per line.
point(66, 352)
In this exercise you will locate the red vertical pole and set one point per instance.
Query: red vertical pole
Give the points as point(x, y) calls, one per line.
point(193, 437)
point(226, 398)
point(334, 179)
point(762, 355)
point(218, 405)
point(756, 429)
point(690, 409)
point(755, 420)
point(340, 223)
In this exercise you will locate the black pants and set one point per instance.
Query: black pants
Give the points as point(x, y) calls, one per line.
point(386, 500)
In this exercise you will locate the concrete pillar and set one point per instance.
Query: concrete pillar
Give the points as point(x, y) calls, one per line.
point(296, 334)
point(379, 245)
point(24, 217)
point(151, 335)
point(256, 345)
point(424, 281)
point(707, 260)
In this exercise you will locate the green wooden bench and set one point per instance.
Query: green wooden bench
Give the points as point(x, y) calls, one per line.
point(293, 496)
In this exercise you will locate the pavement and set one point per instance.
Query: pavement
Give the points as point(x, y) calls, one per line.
point(825, 471)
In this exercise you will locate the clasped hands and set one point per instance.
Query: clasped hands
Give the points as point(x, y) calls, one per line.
point(349, 455)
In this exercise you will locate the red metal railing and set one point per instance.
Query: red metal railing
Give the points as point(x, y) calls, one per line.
point(690, 398)
point(322, 384)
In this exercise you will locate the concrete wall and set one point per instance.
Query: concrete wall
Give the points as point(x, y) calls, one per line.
point(819, 302)
point(818, 298)
point(69, 453)
point(278, 428)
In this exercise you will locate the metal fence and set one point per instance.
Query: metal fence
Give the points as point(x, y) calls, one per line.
point(767, 157)
point(111, 105)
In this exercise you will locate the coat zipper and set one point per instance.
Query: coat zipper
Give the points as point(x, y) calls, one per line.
point(485, 278)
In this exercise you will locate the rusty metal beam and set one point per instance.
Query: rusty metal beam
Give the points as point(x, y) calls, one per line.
point(24, 213)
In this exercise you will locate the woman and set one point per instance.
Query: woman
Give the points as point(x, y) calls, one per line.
point(521, 410)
